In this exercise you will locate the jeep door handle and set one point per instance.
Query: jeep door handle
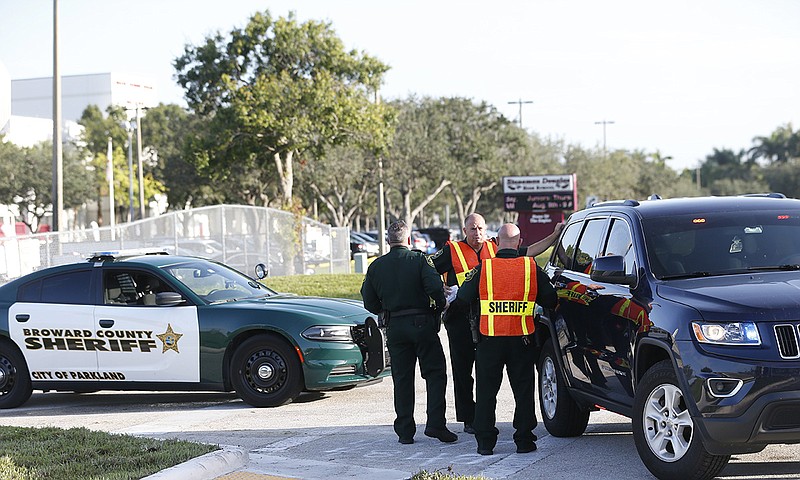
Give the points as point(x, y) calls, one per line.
point(22, 317)
point(106, 323)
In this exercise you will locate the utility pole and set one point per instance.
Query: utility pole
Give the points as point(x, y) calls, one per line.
point(520, 102)
point(139, 160)
point(58, 155)
point(604, 123)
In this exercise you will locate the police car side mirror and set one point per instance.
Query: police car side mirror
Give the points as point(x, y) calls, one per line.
point(261, 271)
point(169, 299)
point(611, 269)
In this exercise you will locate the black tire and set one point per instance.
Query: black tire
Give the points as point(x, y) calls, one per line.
point(266, 372)
point(562, 416)
point(664, 431)
point(15, 381)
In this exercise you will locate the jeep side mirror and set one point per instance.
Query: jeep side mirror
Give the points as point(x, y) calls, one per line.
point(611, 269)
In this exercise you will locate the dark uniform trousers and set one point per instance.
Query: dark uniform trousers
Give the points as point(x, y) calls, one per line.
point(409, 337)
point(493, 353)
point(462, 360)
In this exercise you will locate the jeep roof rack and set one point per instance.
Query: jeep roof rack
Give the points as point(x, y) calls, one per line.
point(769, 195)
point(627, 203)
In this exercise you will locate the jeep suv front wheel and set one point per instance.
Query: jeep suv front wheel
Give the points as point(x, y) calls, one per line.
point(664, 431)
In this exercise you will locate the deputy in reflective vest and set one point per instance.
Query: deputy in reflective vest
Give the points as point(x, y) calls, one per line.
point(454, 261)
point(507, 288)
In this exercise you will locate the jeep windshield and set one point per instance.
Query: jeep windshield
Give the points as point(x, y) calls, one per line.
point(724, 243)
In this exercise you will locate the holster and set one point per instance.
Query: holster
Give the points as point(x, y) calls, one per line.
point(383, 319)
point(474, 318)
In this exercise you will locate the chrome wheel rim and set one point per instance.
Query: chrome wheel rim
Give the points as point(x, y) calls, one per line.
point(549, 388)
point(668, 427)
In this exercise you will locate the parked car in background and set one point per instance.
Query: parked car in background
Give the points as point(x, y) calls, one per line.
point(370, 245)
point(422, 242)
point(165, 322)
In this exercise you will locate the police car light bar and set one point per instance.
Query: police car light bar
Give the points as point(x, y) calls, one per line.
point(114, 254)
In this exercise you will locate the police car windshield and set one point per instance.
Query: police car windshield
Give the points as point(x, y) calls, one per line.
point(722, 243)
point(214, 282)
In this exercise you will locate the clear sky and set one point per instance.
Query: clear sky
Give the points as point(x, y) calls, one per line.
point(681, 76)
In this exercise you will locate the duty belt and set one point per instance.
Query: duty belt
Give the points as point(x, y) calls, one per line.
point(411, 311)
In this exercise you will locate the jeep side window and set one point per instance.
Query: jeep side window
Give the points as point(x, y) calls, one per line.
point(562, 254)
point(589, 244)
point(620, 243)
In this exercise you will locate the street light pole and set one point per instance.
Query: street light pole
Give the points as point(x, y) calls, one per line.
point(139, 160)
point(58, 154)
point(130, 171)
point(520, 102)
point(110, 178)
point(604, 123)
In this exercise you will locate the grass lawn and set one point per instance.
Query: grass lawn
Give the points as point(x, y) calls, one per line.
point(56, 454)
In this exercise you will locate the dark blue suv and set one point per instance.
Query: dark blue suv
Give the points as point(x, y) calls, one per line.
point(684, 315)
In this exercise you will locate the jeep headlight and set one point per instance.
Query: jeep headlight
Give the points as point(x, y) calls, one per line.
point(731, 333)
point(329, 333)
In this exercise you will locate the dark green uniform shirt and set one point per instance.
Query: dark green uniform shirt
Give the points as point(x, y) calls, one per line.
point(402, 279)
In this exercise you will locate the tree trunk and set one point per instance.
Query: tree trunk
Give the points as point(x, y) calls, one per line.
point(285, 175)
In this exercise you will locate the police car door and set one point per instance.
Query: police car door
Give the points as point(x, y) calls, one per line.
point(52, 322)
point(145, 342)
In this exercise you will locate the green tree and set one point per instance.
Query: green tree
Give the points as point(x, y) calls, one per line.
point(780, 147)
point(28, 180)
point(165, 132)
point(341, 180)
point(278, 89)
point(97, 129)
point(417, 166)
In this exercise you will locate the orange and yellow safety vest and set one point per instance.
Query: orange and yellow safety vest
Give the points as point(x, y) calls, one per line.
point(507, 292)
point(465, 259)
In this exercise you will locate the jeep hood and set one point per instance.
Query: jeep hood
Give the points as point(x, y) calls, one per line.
point(766, 297)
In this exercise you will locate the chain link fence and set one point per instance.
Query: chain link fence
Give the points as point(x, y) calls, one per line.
point(239, 236)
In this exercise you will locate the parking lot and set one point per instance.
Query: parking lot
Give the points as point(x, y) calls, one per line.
point(348, 434)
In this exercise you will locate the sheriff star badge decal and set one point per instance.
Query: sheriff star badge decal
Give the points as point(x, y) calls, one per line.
point(169, 339)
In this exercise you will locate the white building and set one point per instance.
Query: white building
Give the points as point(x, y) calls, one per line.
point(26, 105)
point(33, 97)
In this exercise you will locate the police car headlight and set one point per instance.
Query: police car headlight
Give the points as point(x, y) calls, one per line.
point(329, 333)
point(732, 333)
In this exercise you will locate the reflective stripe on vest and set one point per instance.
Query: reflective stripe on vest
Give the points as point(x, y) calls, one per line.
point(465, 259)
point(508, 296)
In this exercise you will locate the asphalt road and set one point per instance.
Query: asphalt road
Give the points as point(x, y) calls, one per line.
point(348, 434)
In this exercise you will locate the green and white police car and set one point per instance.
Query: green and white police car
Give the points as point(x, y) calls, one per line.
point(164, 322)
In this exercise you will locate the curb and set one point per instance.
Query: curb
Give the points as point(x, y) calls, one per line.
point(205, 467)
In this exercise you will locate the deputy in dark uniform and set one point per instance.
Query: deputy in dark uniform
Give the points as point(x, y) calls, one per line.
point(508, 287)
point(401, 285)
point(454, 261)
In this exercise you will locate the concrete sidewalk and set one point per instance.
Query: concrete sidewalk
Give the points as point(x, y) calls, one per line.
point(366, 453)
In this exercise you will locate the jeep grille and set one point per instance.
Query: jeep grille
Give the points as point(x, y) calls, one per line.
point(786, 335)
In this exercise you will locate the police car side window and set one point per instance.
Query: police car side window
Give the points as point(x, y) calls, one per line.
point(565, 250)
point(72, 288)
point(30, 292)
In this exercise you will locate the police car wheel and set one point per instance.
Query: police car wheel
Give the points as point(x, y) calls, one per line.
point(664, 432)
point(15, 382)
point(265, 372)
point(562, 416)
